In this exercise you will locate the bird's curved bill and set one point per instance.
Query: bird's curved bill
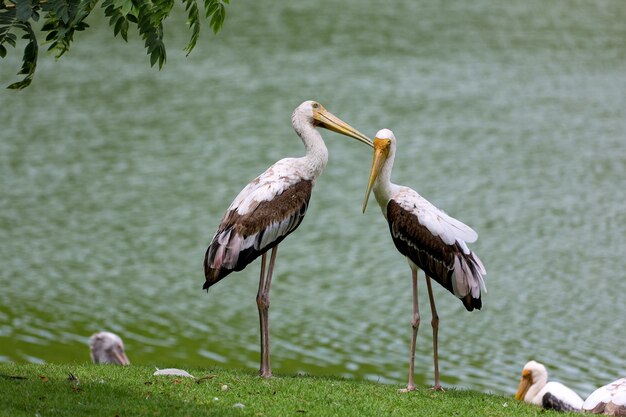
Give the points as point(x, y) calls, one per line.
point(381, 151)
point(524, 384)
point(120, 355)
point(331, 122)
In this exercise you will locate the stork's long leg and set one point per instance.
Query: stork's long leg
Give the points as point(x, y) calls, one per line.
point(435, 323)
point(263, 303)
point(260, 302)
point(415, 323)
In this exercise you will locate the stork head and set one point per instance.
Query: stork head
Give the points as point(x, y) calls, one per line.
point(314, 114)
point(107, 347)
point(384, 143)
point(534, 373)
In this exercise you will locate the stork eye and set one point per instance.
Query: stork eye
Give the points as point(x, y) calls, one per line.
point(316, 105)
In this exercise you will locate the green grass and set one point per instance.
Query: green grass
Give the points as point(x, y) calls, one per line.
point(45, 390)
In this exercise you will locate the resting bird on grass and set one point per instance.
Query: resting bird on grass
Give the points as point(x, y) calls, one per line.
point(609, 399)
point(431, 241)
point(107, 347)
point(269, 208)
point(534, 388)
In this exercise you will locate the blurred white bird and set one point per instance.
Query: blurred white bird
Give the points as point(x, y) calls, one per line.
point(107, 347)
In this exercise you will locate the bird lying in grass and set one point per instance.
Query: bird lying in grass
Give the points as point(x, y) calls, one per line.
point(534, 388)
point(107, 347)
point(609, 399)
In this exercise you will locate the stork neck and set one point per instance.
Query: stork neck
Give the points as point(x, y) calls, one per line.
point(316, 152)
point(383, 185)
point(537, 386)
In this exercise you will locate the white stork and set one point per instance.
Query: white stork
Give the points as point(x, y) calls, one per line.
point(609, 399)
point(534, 388)
point(430, 239)
point(271, 207)
point(107, 347)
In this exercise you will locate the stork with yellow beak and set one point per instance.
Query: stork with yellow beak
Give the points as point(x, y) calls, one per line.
point(269, 208)
point(429, 239)
point(534, 388)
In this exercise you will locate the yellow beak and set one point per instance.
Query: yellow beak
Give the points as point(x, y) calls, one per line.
point(524, 384)
point(381, 151)
point(332, 122)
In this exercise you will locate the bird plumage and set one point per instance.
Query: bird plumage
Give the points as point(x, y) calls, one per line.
point(436, 244)
point(265, 212)
point(534, 388)
point(609, 399)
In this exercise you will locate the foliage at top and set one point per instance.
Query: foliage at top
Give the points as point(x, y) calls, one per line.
point(61, 18)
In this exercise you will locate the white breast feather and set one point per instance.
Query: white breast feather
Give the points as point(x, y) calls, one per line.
point(561, 392)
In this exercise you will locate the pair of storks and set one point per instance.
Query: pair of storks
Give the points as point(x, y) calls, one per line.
point(273, 205)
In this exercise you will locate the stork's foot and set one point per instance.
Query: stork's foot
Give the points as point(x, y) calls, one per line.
point(438, 387)
point(408, 388)
point(267, 373)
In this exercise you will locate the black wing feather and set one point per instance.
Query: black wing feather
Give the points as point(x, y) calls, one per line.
point(290, 205)
point(430, 253)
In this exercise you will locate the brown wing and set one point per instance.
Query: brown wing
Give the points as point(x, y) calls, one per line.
point(438, 260)
point(240, 239)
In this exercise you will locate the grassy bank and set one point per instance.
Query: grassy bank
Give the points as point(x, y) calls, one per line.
point(49, 390)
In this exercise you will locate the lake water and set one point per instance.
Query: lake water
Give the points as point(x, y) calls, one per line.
point(510, 116)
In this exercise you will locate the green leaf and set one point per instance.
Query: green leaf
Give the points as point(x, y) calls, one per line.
point(124, 30)
point(215, 10)
point(118, 24)
point(51, 35)
point(210, 8)
point(154, 56)
point(49, 25)
point(61, 10)
point(150, 23)
point(11, 39)
point(29, 59)
point(3, 51)
point(63, 18)
point(193, 20)
point(127, 6)
point(24, 10)
point(218, 19)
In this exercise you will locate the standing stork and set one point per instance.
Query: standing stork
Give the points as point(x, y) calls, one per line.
point(430, 239)
point(271, 207)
